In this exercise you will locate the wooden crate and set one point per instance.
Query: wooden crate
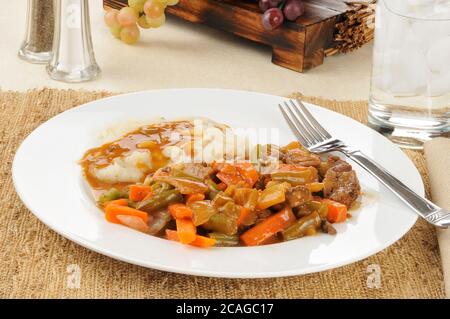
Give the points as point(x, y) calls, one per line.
point(298, 45)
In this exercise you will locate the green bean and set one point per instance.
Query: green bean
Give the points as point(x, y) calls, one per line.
point(184, 185)
point(220, 200)
point(224, 222)
point(247, 197)
point(202, 211)
point(213, 189)
point(294, 178)
point(111, 194)
point(160, 200)
point(224, 240)
point(159, 187)
point(323, 168)
point(295, 175)
point(301, 226)
point(180, 174)
point(320, 207)
point(148, 180)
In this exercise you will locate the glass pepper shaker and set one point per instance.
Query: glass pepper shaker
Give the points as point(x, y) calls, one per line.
point(37, 45)
point(73, 57)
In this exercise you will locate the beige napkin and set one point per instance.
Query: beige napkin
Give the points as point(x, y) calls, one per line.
point(437, 153)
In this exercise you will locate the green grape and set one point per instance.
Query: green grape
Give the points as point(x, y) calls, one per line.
point(137, 5)
point(154, 9)
point(127, 17)
point(111, 17)
point(115, 30)
point(142, 22)
point(130, 34)
point(172, 2)
point(156, 23)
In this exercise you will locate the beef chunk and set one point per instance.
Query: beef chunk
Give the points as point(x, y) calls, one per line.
point(302, 210)
point(197, 170)
point(261, 182)
point(298, 195)
point(338, 164)
point(262, 215)
point(340, 182)
point(301, 157)
point(328, 228)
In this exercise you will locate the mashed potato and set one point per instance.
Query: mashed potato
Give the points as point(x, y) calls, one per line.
point(130, 168)
point(212, 142)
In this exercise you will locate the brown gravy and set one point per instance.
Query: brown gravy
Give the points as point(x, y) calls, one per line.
point(154, 137)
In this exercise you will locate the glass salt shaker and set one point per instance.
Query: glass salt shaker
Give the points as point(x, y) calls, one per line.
point(37, 45)
point(73, 57)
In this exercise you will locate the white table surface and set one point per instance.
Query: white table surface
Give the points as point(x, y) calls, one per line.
point(181, 54)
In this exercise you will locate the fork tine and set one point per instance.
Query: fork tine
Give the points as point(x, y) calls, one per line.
point(299, 123)
point(291, 124)
point(317, 137)
point(313, 120)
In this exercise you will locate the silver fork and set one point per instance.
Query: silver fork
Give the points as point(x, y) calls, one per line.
point(317, 140)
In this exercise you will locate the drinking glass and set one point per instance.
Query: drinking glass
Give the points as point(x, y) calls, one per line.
point(410, 89)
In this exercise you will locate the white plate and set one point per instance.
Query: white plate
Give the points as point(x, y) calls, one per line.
point(49, 182)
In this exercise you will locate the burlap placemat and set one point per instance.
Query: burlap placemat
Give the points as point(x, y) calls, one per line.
point(37, 262)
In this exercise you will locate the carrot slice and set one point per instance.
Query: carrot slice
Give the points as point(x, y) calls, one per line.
point(243, 215)
point(258, 234)
point(203, 242)
point(337, 212)
point(112, 210)
point(271, 240)
point(186, 230)
point(180, 211)
point(200, 241)
point(139, 192)
point(248, 173)
point(120, 202)
point(222, 186)
point(172, 235)
point(133, 222)
point(228, 179)
point(194, 198)
point(149, 195)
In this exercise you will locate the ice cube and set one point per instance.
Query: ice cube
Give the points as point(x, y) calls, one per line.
point(408, 71)
point(438, 84)
point(426, 32)
point(396, 30)
point(440, 21)
point(438, 56)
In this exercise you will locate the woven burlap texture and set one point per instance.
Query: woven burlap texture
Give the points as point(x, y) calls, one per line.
point(36, 262)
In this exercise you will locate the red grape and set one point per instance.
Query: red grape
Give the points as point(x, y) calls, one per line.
point(265, 5)
point(272, 18)
point(293, 9)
